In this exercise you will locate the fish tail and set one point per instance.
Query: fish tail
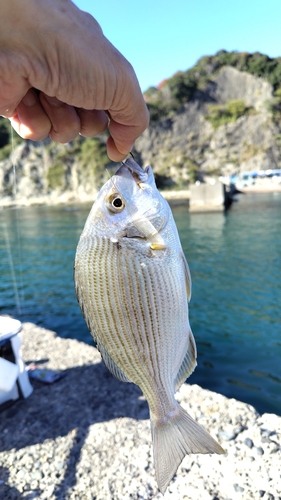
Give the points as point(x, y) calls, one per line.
point(174, 437)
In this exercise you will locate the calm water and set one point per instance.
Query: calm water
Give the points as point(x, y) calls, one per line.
point(235, 262)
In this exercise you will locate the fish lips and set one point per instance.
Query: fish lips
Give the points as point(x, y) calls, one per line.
point(131, 169)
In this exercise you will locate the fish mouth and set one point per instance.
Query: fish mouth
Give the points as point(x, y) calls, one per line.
point(136, 171)
point(145, 231)
point(135, 236)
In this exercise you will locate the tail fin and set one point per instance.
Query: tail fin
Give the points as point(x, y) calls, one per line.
point(172, 440)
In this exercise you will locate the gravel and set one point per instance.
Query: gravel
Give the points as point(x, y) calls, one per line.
point(87, 437)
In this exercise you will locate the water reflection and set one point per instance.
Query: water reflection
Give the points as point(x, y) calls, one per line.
point(213, 222)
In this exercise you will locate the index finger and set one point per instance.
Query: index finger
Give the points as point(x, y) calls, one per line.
point(123, 136)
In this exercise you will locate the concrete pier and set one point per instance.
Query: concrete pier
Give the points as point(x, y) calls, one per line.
point(207, 197)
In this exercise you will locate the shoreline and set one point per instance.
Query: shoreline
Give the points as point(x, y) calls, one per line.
point(176, 197)
point(179, 197)
point(173, 197)
point(87, 436)
point(262, 187)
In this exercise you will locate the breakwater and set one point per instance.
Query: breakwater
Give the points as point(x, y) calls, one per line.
point(87, 436)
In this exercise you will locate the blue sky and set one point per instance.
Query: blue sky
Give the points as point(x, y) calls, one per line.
point(162, 37)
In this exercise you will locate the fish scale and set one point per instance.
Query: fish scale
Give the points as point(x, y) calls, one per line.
point(136, 318)
point(133, 285)
point(104, 298)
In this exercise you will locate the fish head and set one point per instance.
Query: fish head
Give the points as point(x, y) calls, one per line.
point(130, 205)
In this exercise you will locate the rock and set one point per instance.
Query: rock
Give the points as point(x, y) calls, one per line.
point(188, 141)
point(231, 84)
point(275, 448)
point(238, 488)
point(248, 442)
point(37, 475)
point(25, 180)
point(72, 440)
point(227, 436)
point(259, 450)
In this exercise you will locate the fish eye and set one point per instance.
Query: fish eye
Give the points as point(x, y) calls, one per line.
point(115, 203)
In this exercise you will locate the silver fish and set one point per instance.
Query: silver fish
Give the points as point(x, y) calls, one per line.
point(133, 286)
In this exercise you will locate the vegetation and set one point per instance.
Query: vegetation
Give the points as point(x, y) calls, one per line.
point(177, 170)
point(174, 92)
point(5, 151)
point(220, 114)
point(55, 175)
point(275, 106)
point(4, 132)
point(7, 137)
point(94, 160)
point(90, 153)
point(193, 170)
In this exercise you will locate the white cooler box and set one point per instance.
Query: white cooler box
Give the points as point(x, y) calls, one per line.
point(14, 381)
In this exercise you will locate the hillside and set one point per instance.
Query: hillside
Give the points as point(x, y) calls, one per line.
point(172, 93)
point(48, 172)
point(222, 116)
point(227, 127)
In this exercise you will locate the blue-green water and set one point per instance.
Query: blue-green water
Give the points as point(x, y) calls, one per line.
point(235, 262)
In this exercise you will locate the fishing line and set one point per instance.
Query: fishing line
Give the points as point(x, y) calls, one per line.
point(19, 299)
point(12, 268)
point(108, 174)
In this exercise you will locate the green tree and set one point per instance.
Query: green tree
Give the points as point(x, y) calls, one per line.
point(182, 87)
point(8, 138)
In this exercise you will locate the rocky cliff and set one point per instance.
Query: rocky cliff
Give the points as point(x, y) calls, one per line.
point(193, 143)
point(229, 125)
point(46, 172)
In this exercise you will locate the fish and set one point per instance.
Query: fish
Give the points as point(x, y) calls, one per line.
point(133, 285)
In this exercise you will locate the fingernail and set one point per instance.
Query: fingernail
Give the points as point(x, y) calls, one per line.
point(30, 99)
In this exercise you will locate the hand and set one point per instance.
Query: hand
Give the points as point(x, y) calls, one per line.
point(60, 76)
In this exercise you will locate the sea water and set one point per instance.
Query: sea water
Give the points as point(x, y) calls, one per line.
point(235, 263)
